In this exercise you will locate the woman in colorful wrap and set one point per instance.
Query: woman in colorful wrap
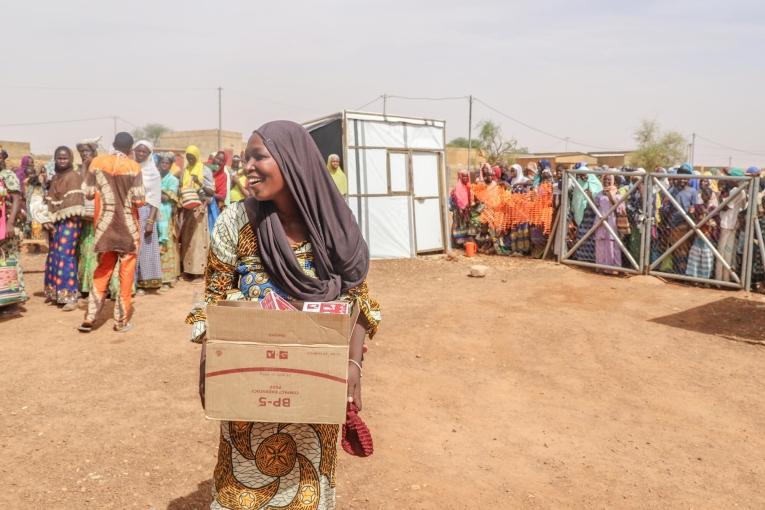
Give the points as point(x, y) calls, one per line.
point(168, 240)
point(36, 211)
point(66, 205)
point(607, 251)
point(86, 258)
point(11, 277)
point(701, 259)
point(24, 171)
point(197, 188)
point(149, 269)
point(297, 237)
point(460, 202)
point(584, 215)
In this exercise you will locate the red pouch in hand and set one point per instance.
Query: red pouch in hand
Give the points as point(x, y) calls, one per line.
point(357, 440)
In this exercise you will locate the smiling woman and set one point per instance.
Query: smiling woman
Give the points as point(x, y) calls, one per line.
point(280, 241)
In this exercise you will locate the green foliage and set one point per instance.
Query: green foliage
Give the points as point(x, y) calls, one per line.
point(151, 132)
point(657, 149)
point(492, 146)
point(460, 142)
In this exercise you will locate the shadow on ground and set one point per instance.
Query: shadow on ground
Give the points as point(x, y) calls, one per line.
point(197, 500)
point(733, 318)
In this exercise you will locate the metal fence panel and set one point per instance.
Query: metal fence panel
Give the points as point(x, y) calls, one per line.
point(674, 226)
point(603, 230)
point(695, 235)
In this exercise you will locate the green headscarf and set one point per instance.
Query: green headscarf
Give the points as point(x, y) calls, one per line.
point(579, 200)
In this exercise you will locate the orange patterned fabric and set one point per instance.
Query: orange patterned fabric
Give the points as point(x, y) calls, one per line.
point(504, 209)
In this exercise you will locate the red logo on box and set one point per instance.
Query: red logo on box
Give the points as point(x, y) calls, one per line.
point(284, 355)
point(271, 354)
point(338, 307)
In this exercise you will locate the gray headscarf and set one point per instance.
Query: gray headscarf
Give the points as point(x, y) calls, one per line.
point(340, 254)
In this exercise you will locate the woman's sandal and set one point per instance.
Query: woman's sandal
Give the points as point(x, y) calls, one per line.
point(85, 327)
point(123, 328)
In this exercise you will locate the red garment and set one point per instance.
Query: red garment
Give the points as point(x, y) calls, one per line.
point(462, 190)
point(357, 439)
point(221, 183)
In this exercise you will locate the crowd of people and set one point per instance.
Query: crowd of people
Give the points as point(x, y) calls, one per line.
point(506, 210)
point(509, 210)
point(120, 223)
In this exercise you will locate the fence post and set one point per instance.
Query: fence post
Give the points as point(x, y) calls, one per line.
point(751, 217)
point(563, 219)
point(645, 241)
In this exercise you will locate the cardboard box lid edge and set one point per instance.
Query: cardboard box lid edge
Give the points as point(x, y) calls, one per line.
point(220, 317)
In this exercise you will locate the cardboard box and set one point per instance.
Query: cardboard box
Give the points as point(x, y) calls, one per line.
point(276, 366)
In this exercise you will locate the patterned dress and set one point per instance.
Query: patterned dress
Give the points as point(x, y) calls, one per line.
point(168, 242)
point(149, 269)
point(87, 259)
point(267, 465)
point(61, 283)
point(11, 290)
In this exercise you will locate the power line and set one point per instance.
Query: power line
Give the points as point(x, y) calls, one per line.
point(728, 147)
point(448, 98)
point(370, 102)
point(542, 131)
point(105, 89)
point(47, 122)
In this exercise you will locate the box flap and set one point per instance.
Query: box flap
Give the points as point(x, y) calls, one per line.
point(245, 321)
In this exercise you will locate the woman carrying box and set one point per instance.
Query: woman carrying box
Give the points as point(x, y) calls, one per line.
point(297, 237)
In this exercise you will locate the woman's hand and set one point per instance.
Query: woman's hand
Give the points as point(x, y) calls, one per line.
point(354, 384)
point(149, 229)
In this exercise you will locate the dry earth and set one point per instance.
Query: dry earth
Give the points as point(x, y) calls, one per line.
point(539, 386)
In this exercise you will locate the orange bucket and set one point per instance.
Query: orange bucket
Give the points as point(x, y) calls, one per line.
point(470, 248)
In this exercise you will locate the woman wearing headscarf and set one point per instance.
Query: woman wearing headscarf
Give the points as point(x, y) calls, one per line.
point(87, 260)
point(297, 237)
point(168, 241)
point(66, 205)
point(24, 170)
point(584, 215)
point(531, 173)
point(607, 251)
point(333, 167)
point(222, 180)
point(148, 268)
point(197, 190)
point(518, 181)
point(460, 202)
point(12, 282)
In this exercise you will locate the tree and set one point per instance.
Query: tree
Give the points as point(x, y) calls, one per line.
point(657, 149)
point(460, 142)
point(492, 146)
point(151, 132)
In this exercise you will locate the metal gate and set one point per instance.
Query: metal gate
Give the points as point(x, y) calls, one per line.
point(712, 246)
point(593, 224)
point(648, 227)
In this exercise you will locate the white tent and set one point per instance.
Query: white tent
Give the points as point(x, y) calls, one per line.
point(396, 178)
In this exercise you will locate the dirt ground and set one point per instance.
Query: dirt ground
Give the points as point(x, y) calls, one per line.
point(540, 386)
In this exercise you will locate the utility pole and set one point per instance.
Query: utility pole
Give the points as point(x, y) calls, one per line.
point(693, 148)
point(730, 162)
point(385, 104)
point(220, 116)
point(567, 138)
point(470, 130)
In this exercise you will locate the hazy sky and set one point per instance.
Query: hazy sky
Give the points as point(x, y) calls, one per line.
point(585, 70)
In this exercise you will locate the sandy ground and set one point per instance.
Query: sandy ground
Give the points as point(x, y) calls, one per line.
point(539, 386)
